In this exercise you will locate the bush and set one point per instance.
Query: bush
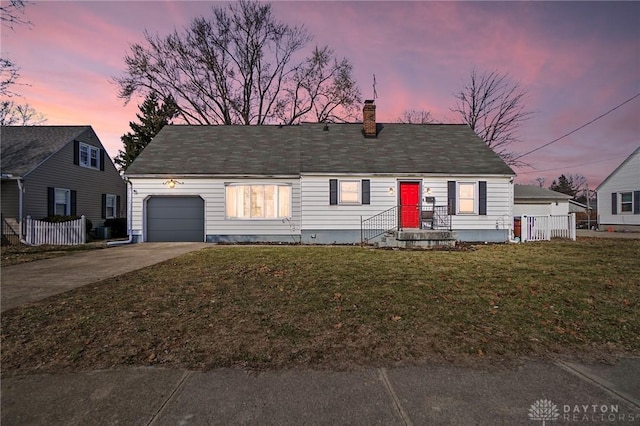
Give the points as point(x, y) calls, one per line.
point(118, 227)
point(62, 218)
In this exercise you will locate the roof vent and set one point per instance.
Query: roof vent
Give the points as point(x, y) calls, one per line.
point(325, 128)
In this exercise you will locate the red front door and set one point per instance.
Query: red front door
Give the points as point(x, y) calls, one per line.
point(409, 205)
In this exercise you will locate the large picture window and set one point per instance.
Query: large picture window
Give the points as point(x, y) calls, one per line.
point(258, 201)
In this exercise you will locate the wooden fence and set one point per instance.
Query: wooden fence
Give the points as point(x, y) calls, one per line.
point(543, 228)
point(38, 232)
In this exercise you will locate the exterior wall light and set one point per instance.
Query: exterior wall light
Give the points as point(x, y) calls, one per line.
point(391, 191)
point(171, 183)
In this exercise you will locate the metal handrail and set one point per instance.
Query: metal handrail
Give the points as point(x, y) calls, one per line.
point(379, 224)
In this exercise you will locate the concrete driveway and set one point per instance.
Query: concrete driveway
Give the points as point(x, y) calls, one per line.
point(37, 280)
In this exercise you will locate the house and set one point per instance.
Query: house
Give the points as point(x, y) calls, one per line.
point(619, 196)
point(534, 200)
point(58, 170)
point(316, 183)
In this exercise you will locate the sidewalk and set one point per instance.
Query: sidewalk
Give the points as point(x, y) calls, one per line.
point(417, 395)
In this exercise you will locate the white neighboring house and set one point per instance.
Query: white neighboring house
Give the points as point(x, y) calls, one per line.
point(315, 183)
point(619, 196)
point(532, 200)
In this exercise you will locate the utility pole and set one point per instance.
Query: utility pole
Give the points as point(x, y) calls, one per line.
point(588, 210)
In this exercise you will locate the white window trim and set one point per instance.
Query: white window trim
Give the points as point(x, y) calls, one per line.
point(89, 149)
point(115, 206)
point(67, 204)
point(276, 195)
point(358, 192)
point(620, 203)
point(475, 199)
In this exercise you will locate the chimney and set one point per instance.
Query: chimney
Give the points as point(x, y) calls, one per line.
point(369, 119)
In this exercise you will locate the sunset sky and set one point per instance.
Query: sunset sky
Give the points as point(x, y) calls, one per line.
point(577, 60)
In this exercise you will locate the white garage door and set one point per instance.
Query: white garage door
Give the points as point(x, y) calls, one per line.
point(175, 219)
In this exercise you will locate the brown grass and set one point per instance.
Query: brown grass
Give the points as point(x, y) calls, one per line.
point(340, 307)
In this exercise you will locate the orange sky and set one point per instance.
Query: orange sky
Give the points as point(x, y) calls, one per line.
point(576, 60)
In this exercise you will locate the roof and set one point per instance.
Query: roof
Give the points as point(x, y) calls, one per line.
point(25, 147)
point(533, 192)
point(636, 152)
point(308, 148)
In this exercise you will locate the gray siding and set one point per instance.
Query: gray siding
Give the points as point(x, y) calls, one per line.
point(10, 199)
point(59, 171)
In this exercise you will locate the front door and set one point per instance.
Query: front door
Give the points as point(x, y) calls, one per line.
point(409, 205)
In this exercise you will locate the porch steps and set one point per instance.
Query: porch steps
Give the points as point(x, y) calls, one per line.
point(417, 238)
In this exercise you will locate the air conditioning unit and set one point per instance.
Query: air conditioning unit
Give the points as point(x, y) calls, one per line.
point(103, 232)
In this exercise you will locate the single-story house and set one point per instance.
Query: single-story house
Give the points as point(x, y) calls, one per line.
point(532, 200)
point(619, 196)
point(316, 183)
point(58, 170)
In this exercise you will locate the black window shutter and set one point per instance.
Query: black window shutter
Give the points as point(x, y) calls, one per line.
point(333, 191)
point(117, 212)
point(636, 202)
point(74, 197)
point(482, 193)
point(614, 203)
point(76, 153)
point(366, 191)
point(102, 153)
point(51, 201)
point(451, 196)
point(104, 206)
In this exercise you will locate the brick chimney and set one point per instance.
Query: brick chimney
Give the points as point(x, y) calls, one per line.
point(369, 119)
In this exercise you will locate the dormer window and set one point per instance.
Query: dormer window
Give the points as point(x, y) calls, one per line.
point(89, 156)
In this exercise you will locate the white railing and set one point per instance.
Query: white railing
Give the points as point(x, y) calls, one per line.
point(69, 233)
point(543, 228)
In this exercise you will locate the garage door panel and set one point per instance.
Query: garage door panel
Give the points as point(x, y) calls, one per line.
point(175, 219)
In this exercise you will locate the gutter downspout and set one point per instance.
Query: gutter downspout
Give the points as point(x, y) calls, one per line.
point(129, 217)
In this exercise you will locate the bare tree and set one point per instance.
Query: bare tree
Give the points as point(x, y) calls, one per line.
point(12, 114)
point(413, 116)
point(9, 75)
point(493, 106)
point(13, 13)
point(540, 181)
point(238, 67)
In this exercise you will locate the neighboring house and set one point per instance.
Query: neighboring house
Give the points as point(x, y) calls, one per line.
point(532, 200)
point(315, 183)
point(58, 170)
point(619, 196)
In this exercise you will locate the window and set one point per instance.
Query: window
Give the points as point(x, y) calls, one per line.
point(626, 202)
point(111, 206)
point(89, 156)
point(466, 198)
point(62, 203)
point(349, 192)
point(258, 201)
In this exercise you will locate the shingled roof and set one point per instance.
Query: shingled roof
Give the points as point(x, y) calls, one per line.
point(309, 148)
point(25, 147)
point(533, 192)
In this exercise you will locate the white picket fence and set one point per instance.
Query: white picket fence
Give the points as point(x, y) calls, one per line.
point(543, 228)
point(38, 232)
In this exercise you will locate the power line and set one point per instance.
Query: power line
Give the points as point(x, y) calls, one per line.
point(579, 128)
point(571, 166)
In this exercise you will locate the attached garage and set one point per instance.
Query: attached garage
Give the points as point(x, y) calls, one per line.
point(175, 219)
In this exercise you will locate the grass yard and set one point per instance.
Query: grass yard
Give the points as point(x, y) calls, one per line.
point(341, 307)
point(19, 253)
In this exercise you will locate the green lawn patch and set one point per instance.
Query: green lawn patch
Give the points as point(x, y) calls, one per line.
point(341, 307)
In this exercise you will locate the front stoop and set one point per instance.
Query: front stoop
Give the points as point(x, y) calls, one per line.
point(418, 238)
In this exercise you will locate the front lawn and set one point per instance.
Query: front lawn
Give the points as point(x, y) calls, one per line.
point(341, 307)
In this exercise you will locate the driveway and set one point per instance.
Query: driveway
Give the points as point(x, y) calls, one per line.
point(605, 234)
point(37, 280)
